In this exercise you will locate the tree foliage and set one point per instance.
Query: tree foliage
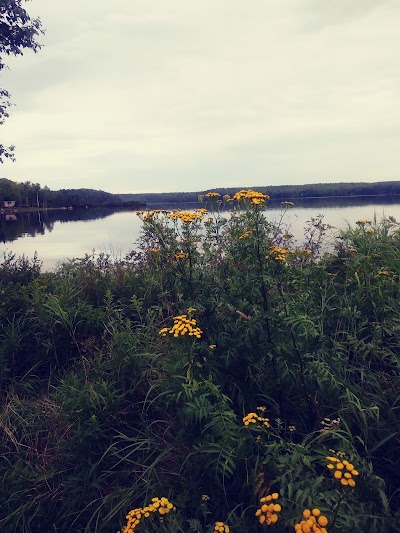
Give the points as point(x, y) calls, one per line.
point(18, 32)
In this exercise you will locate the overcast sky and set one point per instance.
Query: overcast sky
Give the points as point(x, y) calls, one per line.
point(183, 95)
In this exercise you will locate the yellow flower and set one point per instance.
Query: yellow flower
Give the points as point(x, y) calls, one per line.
point(182, 326)
point(220, 527)
point(248, 194)
point(268, 512)
point(212, 346)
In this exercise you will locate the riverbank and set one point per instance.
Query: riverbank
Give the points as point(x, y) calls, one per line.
point(211, 371)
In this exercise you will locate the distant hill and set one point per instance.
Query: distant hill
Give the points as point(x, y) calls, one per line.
point(278, 192)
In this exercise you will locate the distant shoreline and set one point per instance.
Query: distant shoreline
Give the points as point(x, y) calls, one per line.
point(297, 198)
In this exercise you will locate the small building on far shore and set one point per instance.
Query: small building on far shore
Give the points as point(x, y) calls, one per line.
point(8, 204)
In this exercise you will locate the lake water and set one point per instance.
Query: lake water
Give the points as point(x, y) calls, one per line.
point(58, 235)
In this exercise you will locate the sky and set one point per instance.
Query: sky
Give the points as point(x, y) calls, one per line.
point(183, 95)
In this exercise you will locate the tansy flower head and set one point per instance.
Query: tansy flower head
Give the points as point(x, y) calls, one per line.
point(220, 527)
point(254, 418)
point(255, 197)
point(269, 509)
point(186, 217)
point(183, 326)
point(313, 522)
point(161, 506)
point(212, 195)
point(342, 470)
point(279, 253)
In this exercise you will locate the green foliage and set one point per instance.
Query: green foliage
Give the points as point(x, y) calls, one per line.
point(100, 413)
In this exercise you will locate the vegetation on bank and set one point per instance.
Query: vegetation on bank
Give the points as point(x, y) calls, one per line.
point(220, 379)
point(279, 192)
point(29, 194)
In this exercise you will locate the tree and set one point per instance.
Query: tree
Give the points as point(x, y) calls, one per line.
point(17, 33)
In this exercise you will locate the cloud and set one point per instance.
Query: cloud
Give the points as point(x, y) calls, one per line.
point(156, 95)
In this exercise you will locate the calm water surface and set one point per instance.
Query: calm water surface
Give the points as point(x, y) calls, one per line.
point(60, 235)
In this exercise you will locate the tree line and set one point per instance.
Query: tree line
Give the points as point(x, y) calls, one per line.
point(29, 194)
point(279, 192)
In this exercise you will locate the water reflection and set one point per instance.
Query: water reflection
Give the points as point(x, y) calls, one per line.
point(59, 235)
point(16, 225)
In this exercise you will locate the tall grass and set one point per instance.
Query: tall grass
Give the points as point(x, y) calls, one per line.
point(100, 413)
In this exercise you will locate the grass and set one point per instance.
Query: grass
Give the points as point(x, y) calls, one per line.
point(296, 359)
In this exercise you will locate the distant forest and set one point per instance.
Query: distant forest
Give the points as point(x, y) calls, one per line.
point(29, 194)
point(277, 192)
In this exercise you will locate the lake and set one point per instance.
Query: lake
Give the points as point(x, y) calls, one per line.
point(61, 234)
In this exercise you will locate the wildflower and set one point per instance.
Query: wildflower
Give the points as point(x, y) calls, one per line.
point(353, 250)
point(181, 255)
point(253, 418)
point(220, 527)
point(269, 509)
point(212, 346)
point(313, 522)
point(246, 234)
point(182, 326)
point(202, 211)
point(161, 506)
point(384, 273)
point(279, 254)
point(186, 217)
point(342, 470)
point(213, 195)
point(155, 250)
point(191, 309)
point(255, 197)
point(363, 222)
point(292, 428)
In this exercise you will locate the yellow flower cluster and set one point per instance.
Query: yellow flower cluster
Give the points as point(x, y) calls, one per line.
point(279, 254)
point(182, 326)
point(180, 255)
point(202, 211)
point(313, 522)
point(246, 234)
point(220, 527)
point(363, 222)
point(161, 506)
point(268, 511)
point(253, 418)
point(343, 471)
point(256, 197)
point(213, 195)
point(185, 216)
